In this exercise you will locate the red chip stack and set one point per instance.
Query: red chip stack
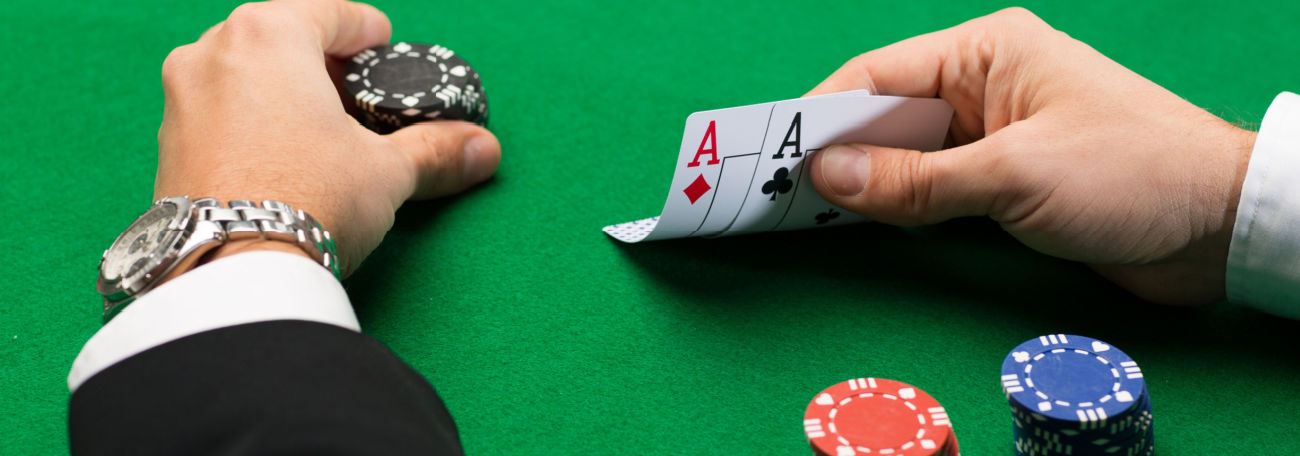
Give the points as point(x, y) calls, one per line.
point(876, 416)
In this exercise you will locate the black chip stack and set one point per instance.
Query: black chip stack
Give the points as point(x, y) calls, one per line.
point(404, 83)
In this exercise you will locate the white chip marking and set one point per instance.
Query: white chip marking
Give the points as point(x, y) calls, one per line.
point(813, 427)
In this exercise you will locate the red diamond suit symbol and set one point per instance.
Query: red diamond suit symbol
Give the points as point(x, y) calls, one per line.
point(697, 189)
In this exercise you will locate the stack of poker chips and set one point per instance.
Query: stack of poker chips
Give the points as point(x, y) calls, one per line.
point(876, 416)
point(401, 84)
point(1077, 396)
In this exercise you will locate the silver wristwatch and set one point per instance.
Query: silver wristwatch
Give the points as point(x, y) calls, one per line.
point(177, 231)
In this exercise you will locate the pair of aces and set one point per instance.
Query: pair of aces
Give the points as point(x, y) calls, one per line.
point(741, 170)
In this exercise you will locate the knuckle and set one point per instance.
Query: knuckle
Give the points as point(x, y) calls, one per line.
point(176, 63)
point(431, 141)
point(162, 135)
point(857, 70)
point(915, 185)
point(1015, 28)
point(1018, 13)
point(1014, 21)
point(439, 154)
point(902, 193)
point(858, 60)
point(255, 21)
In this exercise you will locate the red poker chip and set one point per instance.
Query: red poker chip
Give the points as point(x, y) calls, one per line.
point(876, 416)
point(952, 444)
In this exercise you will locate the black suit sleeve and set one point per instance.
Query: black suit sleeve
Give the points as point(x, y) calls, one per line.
point(281, 387)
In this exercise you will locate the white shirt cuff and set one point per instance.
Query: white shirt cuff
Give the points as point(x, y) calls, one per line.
point(1264, 257)
point(245, 288)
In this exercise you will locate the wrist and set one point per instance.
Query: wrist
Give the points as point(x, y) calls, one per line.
point(1238, 151)
point(177, 234)
point(249, 245)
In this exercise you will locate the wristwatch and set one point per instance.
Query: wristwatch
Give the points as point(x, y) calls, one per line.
point(178, 231)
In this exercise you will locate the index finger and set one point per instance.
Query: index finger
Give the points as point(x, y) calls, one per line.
point(913, 67)
point(954, 60)
point(281, 28)
point(343, 28)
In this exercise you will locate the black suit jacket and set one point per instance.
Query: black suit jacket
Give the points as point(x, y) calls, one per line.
point(281, 387)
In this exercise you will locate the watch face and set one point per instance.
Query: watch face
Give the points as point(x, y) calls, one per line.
point(143, 245)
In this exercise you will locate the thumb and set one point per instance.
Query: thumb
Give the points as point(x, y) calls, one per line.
point(447, 156)
point(907, 187)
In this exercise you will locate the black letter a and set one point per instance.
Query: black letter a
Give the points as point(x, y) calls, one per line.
point(794, 130)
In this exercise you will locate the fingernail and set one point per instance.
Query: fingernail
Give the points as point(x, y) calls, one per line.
point(482, 155)
point(845, 169)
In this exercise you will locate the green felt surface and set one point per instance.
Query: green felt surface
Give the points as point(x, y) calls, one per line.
point(544, 336)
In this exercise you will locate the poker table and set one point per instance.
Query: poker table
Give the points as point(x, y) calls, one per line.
point(546, 337)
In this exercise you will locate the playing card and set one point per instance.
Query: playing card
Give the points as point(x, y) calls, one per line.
point(781, 197)
point(715, 174)
point(718, 147)
point(807, 208)
point(738, 179)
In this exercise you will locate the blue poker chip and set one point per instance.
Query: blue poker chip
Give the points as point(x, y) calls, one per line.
point(1073, 379)
point(1117, 427)
point(1078, 396)
point(1038, 444)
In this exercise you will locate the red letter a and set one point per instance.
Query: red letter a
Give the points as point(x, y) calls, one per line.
point(710, 138)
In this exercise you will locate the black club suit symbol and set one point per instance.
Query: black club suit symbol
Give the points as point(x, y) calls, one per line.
point(780, 183)
point(827, 216)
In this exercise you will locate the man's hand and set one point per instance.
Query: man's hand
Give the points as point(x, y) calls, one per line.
point(252, 112)
point(1073, 154)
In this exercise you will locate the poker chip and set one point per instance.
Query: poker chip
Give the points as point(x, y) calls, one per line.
point(1078, 396)
point(400, 84)
point(876, 416)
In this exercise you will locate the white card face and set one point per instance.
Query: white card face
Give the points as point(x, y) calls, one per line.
point(782, 197)
point(733, 182)
point(733, 188)
point(724, 158)
point(718, 144)
point(808, 209)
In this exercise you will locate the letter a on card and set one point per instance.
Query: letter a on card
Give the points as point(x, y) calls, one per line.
point(710, 140)
point(719, 150)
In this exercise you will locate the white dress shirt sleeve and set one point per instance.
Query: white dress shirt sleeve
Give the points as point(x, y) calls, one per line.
point(245, 288)
point(1264, 257)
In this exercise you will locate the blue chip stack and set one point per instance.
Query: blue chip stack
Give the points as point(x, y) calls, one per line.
point(1077, 396)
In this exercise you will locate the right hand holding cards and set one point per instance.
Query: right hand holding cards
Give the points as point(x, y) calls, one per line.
point(741, 170)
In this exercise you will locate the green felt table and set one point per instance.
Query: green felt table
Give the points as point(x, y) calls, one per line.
point(546, 337)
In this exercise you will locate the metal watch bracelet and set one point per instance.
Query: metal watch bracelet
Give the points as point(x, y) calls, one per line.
point(272, 220)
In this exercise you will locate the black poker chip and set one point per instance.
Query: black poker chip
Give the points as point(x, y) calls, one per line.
point(401, 84)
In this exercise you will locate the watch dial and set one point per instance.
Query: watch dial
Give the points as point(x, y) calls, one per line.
point(143, 244)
